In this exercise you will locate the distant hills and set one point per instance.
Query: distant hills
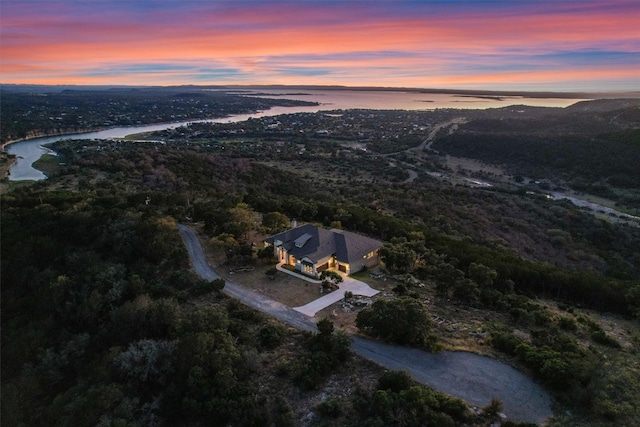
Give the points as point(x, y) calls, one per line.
point(543, 94)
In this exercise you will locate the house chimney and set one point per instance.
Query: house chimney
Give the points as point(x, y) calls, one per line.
point(294, 223)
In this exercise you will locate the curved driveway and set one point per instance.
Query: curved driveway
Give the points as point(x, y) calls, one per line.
point(471, 377)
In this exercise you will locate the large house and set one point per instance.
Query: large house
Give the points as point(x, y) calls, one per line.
point(310, 249)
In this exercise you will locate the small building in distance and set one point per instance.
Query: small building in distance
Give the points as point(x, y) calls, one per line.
point(311, 250)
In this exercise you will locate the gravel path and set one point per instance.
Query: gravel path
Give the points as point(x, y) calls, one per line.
point(471, 377)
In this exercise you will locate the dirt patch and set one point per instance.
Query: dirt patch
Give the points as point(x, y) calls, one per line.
point(343, 318)
point(460, 164)
point(286, 289)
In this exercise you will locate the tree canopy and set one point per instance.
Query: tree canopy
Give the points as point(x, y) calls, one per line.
point(383, 318)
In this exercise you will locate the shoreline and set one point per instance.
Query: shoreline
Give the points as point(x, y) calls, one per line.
point(49, 135)
point(4, 145)
point(101, 129)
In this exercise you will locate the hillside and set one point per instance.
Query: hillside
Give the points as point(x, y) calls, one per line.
point(592, 146)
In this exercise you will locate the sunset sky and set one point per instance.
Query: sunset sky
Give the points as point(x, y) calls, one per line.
point(498, 45)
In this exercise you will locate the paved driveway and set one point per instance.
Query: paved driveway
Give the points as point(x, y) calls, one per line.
point(349, 284)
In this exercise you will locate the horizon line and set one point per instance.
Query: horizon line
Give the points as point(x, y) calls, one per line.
point(513, 92)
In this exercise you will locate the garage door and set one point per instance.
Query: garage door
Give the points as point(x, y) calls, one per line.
point(342, 268)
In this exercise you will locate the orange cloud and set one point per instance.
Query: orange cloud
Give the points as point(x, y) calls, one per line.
point(389, 43)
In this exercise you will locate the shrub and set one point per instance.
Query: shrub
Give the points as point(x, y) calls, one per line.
point(331, 277)
point(271, 273)
point(601, 337)
point(383, 318)
point(395, 381)
point(400, 289)
point(568, 324)
point(522, 316)
point(505, 341)
point(492, 410)
point(542, 317)
point(326, 350)
point(331, 408)
point(271, 336)
point(590, 323)
point(265, 253)
point(456, 408)
point(490, 297)
point(204, 287)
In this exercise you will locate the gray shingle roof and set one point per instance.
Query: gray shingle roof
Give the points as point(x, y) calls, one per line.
point(321, 243)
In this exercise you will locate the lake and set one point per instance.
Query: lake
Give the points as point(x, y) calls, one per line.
point(29, 151)
point(404, 100)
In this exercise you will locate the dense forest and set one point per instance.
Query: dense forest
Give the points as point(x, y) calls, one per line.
point(104, 324)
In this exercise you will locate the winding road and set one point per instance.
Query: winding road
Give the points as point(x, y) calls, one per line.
point(426, 144)
point(471, 377)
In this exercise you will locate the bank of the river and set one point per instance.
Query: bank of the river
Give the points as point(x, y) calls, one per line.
point(6, 162)
point(29, 150)
point(36, 135)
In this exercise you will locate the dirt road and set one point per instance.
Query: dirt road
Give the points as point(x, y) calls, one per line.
point(473, 378)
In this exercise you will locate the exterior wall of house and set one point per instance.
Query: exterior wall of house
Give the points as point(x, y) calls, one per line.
point(306, 267)
point(317, 268)
point(279, 253)
point(371, 260)
point(283, 256)
point(324, 264)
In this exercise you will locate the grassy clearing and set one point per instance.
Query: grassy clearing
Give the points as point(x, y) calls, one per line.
point(290, 291)
point(472, 165)
point(137, 136)
point(285, 288)
point(48, 164)
point(365, 276)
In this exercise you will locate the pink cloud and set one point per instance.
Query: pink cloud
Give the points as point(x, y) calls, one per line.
point(47, 45)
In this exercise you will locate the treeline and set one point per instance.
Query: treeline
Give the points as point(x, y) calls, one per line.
point(581, 159)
